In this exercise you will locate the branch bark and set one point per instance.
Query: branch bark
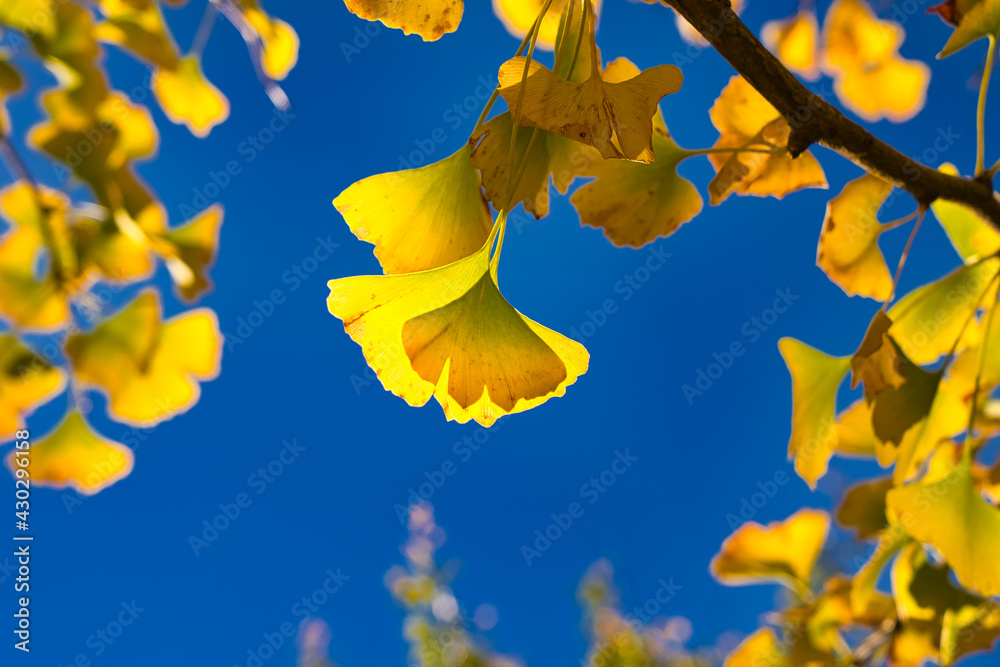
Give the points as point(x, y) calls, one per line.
point(813, 120)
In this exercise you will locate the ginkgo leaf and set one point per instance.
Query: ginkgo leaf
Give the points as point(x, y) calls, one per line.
point(951, 515)
point(74, 455)
point(863, 507)
point(551, 156)
point(905, 399)
point(759, 649)
point(862, 54)
point(795, 41)
point(150, 369)
point(947, 417)
point(26, 381)
point(928, 321)
point(745, 119)
point(634, 202)
point(784, 552)
point(428, 18)
point(188, 98)
point(518, 16)
point(815, 378)
point(279, 40)
point(614, 118)
point(981, 20)
point(973, 237)
point(863, 592)
point(876, 361)
point(138, 26)
point(855, 436)
point(848, 245)
point(419, 218)
point(38, 229)
point(449, 333)
point(190, 250)
point(10, 83)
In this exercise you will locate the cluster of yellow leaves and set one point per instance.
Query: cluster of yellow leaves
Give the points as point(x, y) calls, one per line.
point(860, 52)
point(55, 252)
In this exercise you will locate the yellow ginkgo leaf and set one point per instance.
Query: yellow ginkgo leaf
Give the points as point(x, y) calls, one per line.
point(449, 333)
point(745, 119)
point(855, 437)
point(73, 455)
point(138, 26)
point(428, 18)
point(519, 15)
point(876, 362)
point(614, 118)
point(26, 381)
point(950, 515)
point(279, 40)
point(973, 237)
point(928, 321)
point(38, 230)
point(551, 156)
point(980, 20)
point(795, 41)
point(784, 552)
point(870, 78)
point(761, 649)
point(189, 252)
point(149, 368)
point(634, 202)
point(815, 378)
point(419, 218)
point(848, 245)
point(188, 98)
point(863, 593)
point(863, 507)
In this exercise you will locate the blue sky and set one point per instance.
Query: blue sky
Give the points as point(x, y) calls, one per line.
point(296, 391)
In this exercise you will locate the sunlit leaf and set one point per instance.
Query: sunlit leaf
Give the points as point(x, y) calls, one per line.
point(795, 41)
point(188, 98)
point(745, 119)
point(876, 363)
point(150, 369)
point(848, 245)
point(519, 15)
point(279, 40)
point(973, 237)
point(980, 20)
point(449, 333)
point(26, 381)
point(419, 218)
point(862, 54)
point(863, 507)
point(428, 18)
point(784, 551)
point(815, 378)
point(74, 456)
point(760, 648)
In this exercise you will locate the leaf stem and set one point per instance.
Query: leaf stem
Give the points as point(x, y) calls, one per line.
point(967, 446)
point(981, 109)
point(496, 91)
point(906, 252)
point(204, 30)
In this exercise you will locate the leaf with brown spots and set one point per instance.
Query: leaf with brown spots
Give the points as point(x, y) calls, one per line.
point(428, 18)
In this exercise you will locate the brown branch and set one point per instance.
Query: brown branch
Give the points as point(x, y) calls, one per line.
point(813, 120)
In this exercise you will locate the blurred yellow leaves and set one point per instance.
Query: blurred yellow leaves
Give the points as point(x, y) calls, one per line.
point(149, 368)
point(951, 515)
point(449, 333)
point(414, 227)
point(519, 15)
point(279, 40)
point(188, 98)
point(614, 118)
point(783, 552)
point(795, 41)
point(973, 237)
point(26, 381)
point(428, 18)
point(74, 455)
point(862, 55)
point(745, 120)
point(848, 245)
point(759, 649)
point(815, 378)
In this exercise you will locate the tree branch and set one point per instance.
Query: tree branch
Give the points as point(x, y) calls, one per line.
point(813, 120)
